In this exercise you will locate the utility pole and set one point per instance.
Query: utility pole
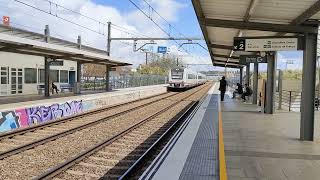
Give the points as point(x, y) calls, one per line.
point(109, 39)
point(108, 53)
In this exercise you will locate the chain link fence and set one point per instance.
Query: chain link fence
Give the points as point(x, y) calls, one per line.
point(118, 82)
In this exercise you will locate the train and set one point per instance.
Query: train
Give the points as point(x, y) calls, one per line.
point(181, 78)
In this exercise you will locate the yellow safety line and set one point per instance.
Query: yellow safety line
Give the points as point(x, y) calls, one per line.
point(222, 160)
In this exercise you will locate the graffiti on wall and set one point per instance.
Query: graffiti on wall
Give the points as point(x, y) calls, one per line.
point(25, 117)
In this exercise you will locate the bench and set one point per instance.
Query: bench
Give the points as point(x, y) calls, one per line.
point(64, 87)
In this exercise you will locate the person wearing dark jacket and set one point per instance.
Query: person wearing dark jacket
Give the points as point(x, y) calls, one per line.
point(239, 90)
point(248, 92)
point(223, 87)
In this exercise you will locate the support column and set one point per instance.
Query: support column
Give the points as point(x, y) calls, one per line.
point(271, 71)
point(280, 89)
point(77, 85)
point(255, 83)
point(248, 74)
point(107, 77)
point(308, 87)
point(241, 76)
point(46, 77)
point(46, 64)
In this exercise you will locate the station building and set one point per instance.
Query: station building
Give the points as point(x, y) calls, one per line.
point(23, 74)
point(22, 61)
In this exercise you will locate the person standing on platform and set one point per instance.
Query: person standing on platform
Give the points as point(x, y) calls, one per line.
point(223, 87)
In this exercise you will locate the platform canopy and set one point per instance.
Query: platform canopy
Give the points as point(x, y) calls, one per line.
point(25, 42)
point(222, 20)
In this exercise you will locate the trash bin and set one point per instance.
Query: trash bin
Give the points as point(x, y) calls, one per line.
point(76, 88)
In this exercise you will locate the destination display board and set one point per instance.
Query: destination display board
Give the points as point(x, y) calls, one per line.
point(267, 44)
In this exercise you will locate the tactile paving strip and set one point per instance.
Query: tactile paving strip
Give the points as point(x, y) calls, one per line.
point(202, 161)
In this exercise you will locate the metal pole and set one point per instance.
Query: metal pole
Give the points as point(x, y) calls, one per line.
point(248, 74)
point(46, 64)
point(146, 58)
point(46, 77)
point(107, 77)
point(308, 87)
point(280, 89)
point(241, 76)
point(318, 95)
point(255, 83)
point(271, 71)
point(290, 100)
point(109, 39)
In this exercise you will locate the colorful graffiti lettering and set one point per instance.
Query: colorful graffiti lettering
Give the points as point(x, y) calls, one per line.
point(25, 117)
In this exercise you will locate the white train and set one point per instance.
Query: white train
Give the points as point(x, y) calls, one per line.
point(184, 78)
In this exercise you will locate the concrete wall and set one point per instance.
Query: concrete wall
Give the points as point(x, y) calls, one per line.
point(19, 117)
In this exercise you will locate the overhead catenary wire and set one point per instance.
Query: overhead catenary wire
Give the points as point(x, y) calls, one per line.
point(50, 12)
point(150, 18)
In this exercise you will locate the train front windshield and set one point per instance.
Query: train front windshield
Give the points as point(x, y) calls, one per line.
point(177, 73)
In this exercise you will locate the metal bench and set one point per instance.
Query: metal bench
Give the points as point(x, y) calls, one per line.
point(64, 87)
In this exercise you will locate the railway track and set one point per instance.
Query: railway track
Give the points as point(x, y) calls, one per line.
point(20, 140)
point(30, 163)
point(112, 158)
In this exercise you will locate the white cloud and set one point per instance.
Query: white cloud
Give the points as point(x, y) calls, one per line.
point(31, 19)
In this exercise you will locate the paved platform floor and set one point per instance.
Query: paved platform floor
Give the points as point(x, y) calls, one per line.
point(192, 153)
point(261, 146)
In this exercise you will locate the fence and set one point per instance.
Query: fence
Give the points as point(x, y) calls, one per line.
point(118, 82)
point(292, 100)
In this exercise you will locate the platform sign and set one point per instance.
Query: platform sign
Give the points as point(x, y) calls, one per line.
point(162, 49)
point(56, 63)
point(239, 44)
point(6, 20)
point(247, 59)
point(266, 44)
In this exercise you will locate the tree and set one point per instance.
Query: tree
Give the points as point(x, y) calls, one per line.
point(159, 65)
point(94, 70)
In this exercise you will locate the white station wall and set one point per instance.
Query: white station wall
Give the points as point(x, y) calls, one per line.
point(13, 60)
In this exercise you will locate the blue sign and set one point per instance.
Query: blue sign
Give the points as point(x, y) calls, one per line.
point(162, 49)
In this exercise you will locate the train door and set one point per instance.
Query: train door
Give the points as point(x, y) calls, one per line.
point(16, 81)
point(4, 81)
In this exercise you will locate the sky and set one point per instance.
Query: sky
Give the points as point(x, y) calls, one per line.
point(128, 21)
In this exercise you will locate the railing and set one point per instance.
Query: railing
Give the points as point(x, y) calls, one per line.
point(292, 100)
point(118, 82)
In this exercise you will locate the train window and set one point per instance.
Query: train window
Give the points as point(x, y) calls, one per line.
point(54, 75)
point(64, 76)
point(191, 76)
point(30, 75)
point(177, 73)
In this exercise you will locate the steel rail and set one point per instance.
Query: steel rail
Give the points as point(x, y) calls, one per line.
point(44, 140)
point(139, 162)
point(70, 162)
point(69, 118)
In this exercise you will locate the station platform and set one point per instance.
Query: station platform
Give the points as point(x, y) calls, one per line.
point(192, 153)
point(256, 145)
point(263, 146)
point(35, 109)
